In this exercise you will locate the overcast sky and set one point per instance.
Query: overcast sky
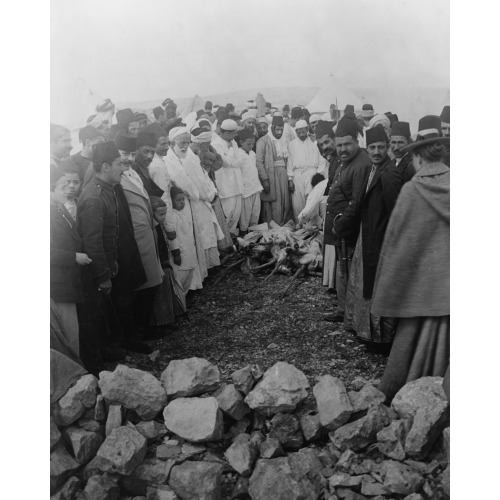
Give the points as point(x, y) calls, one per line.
point(147, 49)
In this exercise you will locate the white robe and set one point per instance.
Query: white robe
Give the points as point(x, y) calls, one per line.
point(304, 161)
point(181, 179)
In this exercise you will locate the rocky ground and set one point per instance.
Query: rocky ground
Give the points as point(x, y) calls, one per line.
point(242, 320)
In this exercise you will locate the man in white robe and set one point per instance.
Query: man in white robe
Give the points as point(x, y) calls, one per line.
point(304, 161)
point(228, 178)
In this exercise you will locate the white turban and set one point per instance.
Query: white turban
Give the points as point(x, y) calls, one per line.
point(301, 124)
point(176, 132)
point(203, 137)
point(247, 116)
point(315, 117)
point(382, 120)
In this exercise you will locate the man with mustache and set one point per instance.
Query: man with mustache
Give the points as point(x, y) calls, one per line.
point(400, 138)
point(373, 206)
point(348, 183)
point(145, 154)
point(326, 145)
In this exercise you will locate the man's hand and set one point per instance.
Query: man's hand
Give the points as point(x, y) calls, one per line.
point(82, 259)
point(171, 235)
point(266, 186)
point(105, 287)
point(291, 186)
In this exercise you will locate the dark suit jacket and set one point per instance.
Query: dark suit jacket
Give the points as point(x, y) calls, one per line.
point(375, 206)
point(348, 186)
point(65, 242)
point(405, 166)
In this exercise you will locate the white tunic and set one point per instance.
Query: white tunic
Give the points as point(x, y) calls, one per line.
point(228, 178)
point(249, 172)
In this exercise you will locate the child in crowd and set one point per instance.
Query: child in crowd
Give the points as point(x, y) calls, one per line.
point(183, 249)
point(73, 188)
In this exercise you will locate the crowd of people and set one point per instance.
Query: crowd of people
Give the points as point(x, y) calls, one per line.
point(152, 203)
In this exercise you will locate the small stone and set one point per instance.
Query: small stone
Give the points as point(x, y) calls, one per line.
point(414, 496)
point(272, 346)
point(62, 466)
point(151, 471)
point(240, 490)
point(345, 480)
point(241, 457)
point(348, 494)
point(346, 461)
point(257, 372)
point(423, 401)
point(122, 451)
point(190, 450)
point(161, 492)
point(258, 421)
point(196, 480)
point(115, 418)
point(165, 451)
point(190, 377)
point(89, 424)
point(102, 488)
point(172, 442)
point(311, 428)
point(400, 479)
point(286, 429)
point(360, 433)
point(55, 434)
point(134, 389)
point(194, 419)
point(76, 401)
point(327, 472)
point(281, 389)
point(231, 402)
point(100, 409)
point(305, 463)
point(257, 438)
point(69, 490)
point(334, 407)
point(365, 467)
point(372, 489)
point(242, 438)
point(148, 429)
point(368, 396)
point(243, 379)
point(274, 479)
point(358, 383)
point(391, 439)
point(271, 448)
point(83, 443)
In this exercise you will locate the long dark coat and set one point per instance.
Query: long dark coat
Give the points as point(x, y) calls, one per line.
point(376, 208)
point(65, 242)
point(348, 185)
point(406, 168)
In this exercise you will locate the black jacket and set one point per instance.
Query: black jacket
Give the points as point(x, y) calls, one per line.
point(375, 207)
point(149, 185)
point(405, 166)
point(65, 242)
point(348, 185)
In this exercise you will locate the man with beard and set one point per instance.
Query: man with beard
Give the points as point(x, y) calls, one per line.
point(60, 144)
point(143, 223)
point(304, 161)
point(400, 138)
point(325, 140)
point(373, 207)
point(228, 178)
point(348, 183)
point(146, 150)
point(272, 157)
point(103, 222)
point(80, 162)
point(262, 127)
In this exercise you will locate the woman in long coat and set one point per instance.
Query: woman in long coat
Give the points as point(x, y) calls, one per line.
point(413, 276)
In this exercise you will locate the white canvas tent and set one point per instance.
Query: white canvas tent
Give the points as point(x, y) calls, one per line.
point(195, 104)
point(333, 92)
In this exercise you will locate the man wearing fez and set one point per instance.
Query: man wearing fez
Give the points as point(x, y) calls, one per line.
point(228, 178)
point(160, 116)
point(123, 118)
point(304, 161)
point(272, 157)
point(146, 150)
point(325, 140)
point(348, 184)
point(400, 138)
point(103, 221)
point(286, 113)
point(372, 207)
point(445, 121)
point(80, 162)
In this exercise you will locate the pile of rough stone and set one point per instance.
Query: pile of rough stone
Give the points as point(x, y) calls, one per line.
point(129, 435)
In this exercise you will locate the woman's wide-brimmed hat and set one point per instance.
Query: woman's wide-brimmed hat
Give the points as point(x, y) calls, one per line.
point(429, 132)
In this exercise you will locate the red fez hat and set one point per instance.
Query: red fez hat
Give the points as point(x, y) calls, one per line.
point(125, 142)
point(347, 126)
point(401, 128)
point(445, 115)
point(124, 117)
point(278, 121)
point(376, 134)
point(429, 132)
point(324, 128)
point(104, 152)
point(146, 139)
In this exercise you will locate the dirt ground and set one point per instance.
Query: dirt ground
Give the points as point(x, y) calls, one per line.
point(241, 321)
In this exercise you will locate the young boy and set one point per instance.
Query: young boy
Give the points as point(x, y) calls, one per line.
point(250, 202)
point(185, 263)
point(73, 188)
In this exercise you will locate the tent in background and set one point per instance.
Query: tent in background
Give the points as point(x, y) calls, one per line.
point(195, 104)
point(261, 105)
point(333, 92)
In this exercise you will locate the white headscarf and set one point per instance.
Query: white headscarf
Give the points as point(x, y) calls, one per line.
point(176, 132)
